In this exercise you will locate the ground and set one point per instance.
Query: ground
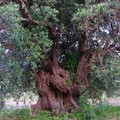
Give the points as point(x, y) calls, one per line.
point(100, 112)
point(97, 113)
point(21, 104)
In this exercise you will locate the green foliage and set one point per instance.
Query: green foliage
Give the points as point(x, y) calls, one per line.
point(27, 46)
point(107, 112)
point(71, 62)
point(43, 12)
point(24, 40)
point(11, 17)
point(101, 112)
point(86, 110)
point(84, 17)
point(105, 77)
point(25, 115)
point(47, 2)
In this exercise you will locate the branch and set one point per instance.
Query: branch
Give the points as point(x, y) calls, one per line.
point(28, 16)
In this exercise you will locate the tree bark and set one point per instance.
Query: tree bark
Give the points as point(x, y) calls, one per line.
point(54, 93)
point(83, 62)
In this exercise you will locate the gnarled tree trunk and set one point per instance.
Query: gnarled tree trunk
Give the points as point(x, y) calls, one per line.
point(54, 93)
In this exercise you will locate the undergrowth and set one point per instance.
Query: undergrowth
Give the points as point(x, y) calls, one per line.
point(100, 112)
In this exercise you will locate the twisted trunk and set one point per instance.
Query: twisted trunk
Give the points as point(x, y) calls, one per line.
point(54, 93)
point(83, 62)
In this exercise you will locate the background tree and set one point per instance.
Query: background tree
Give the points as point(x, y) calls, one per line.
point(65, 47)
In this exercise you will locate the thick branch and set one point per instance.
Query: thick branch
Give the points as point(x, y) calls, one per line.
point(83, 62)
point(53, 35)
point(26, 13)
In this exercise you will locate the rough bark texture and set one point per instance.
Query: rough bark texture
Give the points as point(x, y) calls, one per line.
point(83, 62)
point(54, 93)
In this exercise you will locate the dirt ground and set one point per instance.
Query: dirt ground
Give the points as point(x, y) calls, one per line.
point(23, 104)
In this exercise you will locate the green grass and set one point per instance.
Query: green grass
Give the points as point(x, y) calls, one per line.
point(107, 113)
point(97, 113)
